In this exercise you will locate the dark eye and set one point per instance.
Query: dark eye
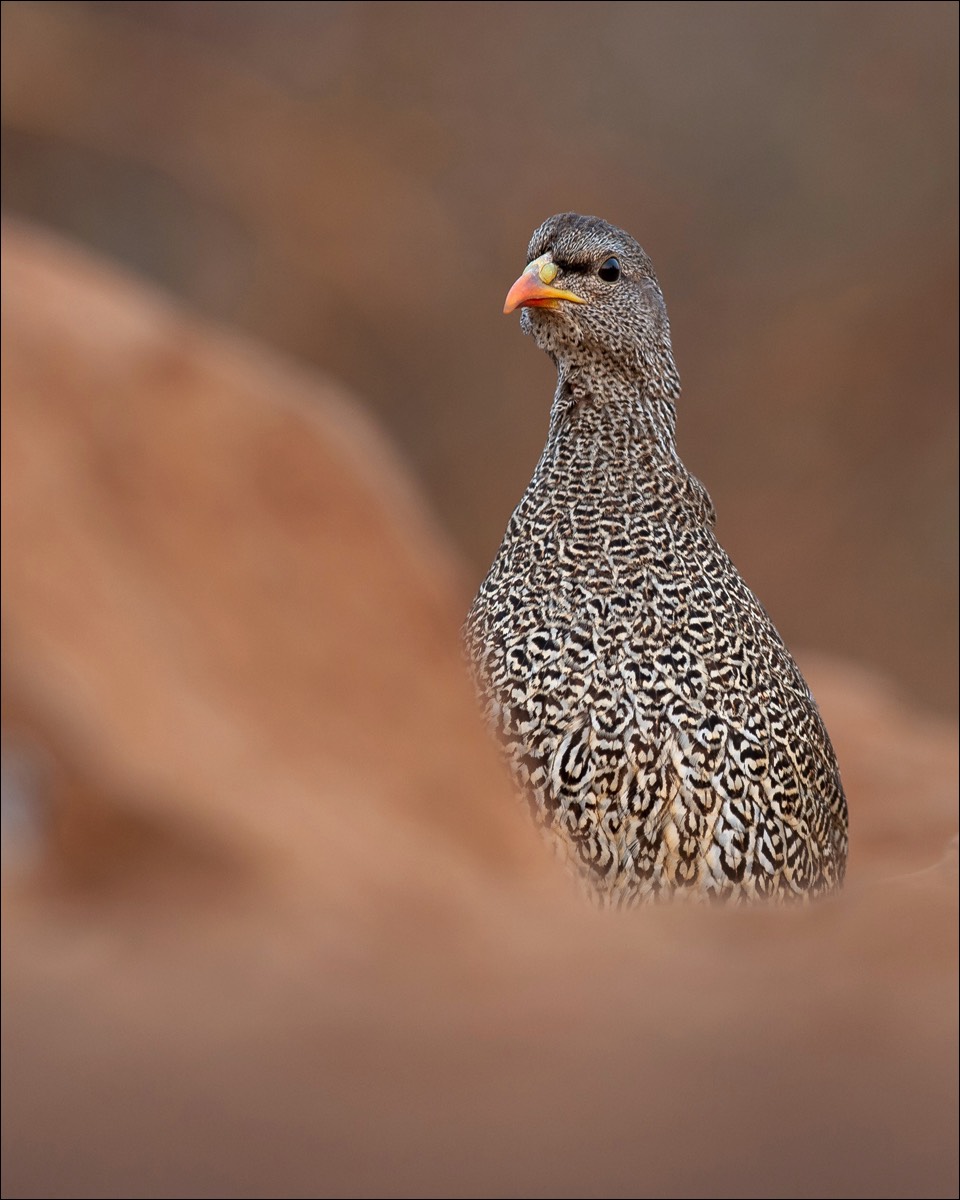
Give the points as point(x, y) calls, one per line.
point(609, 271)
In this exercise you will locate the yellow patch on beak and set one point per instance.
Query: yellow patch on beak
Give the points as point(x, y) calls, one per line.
point(533, 290)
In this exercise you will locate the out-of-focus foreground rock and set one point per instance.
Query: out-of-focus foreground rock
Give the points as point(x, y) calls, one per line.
point(273, 925)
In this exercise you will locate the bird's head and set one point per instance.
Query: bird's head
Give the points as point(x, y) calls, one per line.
point(590, 298)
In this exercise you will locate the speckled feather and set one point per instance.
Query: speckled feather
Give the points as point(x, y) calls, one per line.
point(650, 711)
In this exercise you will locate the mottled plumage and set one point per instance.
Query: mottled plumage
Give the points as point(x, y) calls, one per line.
point(649, 709)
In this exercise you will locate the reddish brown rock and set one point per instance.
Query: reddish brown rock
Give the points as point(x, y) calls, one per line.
point(279, 929)
point(217, 575)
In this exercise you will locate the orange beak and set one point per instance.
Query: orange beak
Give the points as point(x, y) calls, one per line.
point(533, 290)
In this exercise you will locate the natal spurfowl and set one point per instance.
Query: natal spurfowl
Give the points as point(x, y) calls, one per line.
point(651, 712)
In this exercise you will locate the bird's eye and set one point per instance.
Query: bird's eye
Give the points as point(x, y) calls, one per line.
point(609, 271)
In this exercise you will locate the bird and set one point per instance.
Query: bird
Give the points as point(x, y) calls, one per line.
point(652, 716)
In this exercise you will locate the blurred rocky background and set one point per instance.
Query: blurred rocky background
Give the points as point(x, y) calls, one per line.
point(273, 924)
point(356, 183)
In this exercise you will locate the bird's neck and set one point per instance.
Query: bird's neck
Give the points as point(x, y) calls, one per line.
point(610, 429)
